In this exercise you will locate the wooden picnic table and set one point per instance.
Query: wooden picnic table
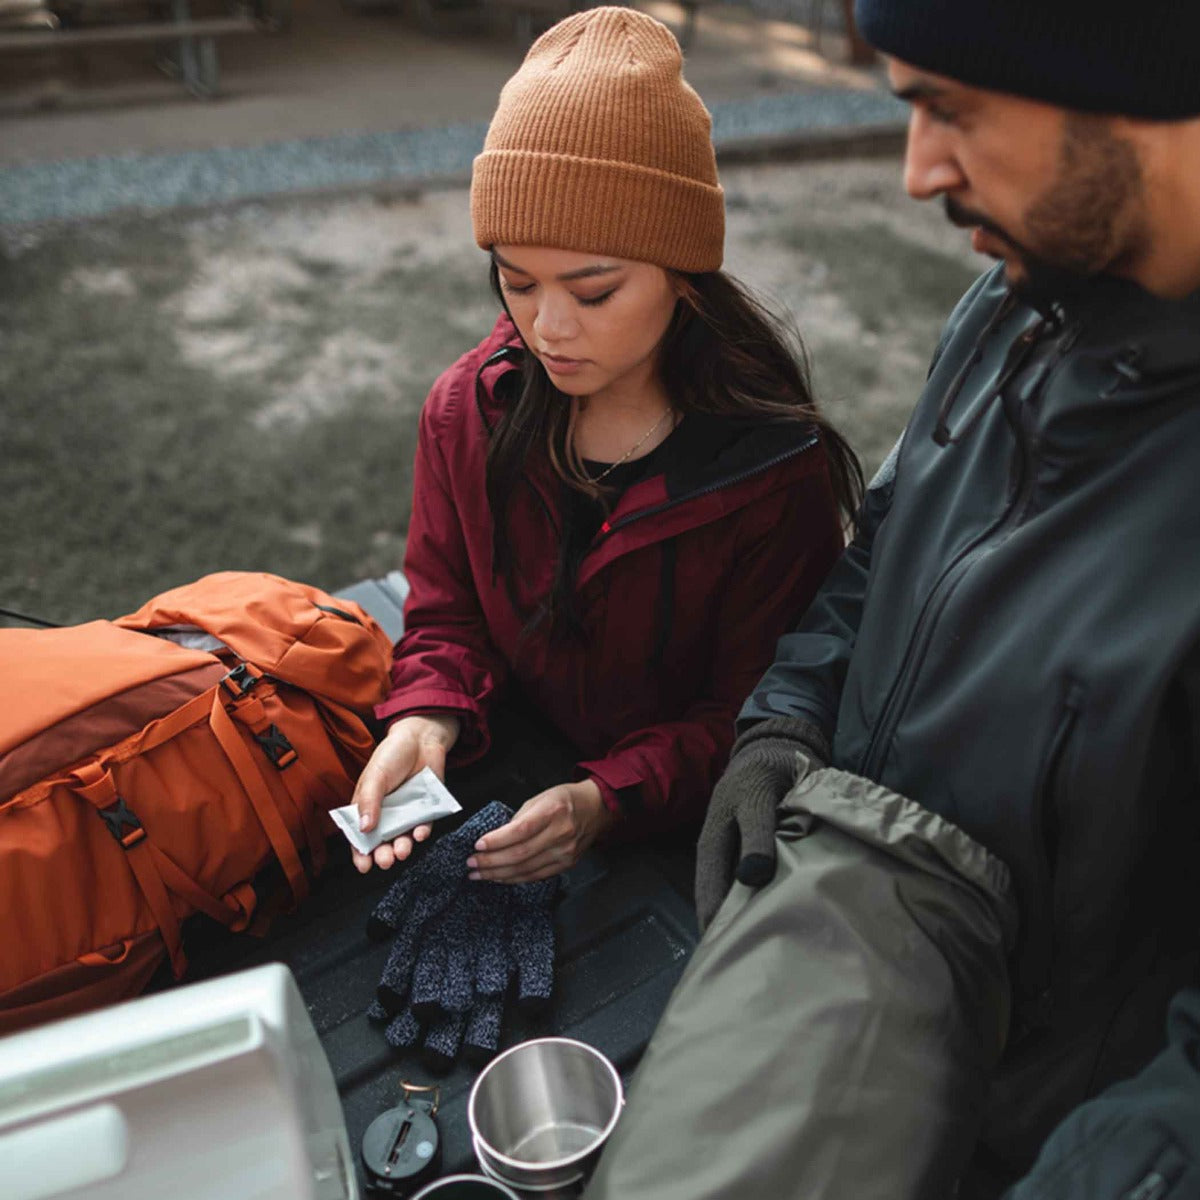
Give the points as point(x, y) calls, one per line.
point(185, 43)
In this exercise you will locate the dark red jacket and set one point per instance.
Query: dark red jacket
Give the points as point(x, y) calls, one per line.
point(681, 595)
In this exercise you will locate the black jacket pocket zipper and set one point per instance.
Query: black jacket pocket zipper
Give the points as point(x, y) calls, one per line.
point(1036, 958)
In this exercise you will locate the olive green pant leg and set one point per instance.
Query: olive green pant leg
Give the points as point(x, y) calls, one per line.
point(833, 1034)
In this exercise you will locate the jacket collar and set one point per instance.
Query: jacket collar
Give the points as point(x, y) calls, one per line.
point(1152, 336)
point(721, 449)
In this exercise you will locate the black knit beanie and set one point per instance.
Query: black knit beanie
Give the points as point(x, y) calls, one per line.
point(1137, 60)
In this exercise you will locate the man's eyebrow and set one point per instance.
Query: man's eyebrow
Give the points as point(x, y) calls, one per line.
point(920, 90)
point(566, 276)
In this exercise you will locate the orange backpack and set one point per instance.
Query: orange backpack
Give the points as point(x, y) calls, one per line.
point(145, 778)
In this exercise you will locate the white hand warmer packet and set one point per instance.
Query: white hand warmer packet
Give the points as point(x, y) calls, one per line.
point(422, 799)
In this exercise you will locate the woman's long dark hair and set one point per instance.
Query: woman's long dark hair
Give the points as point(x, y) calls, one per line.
point(723, 354)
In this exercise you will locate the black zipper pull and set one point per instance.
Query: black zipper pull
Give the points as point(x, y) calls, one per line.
point(1127, 367)
point(1153, 1187)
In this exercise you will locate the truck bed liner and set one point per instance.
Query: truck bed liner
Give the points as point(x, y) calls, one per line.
point(624, 933)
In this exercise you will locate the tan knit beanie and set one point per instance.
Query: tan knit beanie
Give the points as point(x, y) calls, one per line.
point(599, 145)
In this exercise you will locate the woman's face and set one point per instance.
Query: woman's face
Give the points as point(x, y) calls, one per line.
point(595, 322)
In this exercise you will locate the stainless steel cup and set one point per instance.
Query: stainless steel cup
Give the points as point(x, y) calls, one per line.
point(540, 1112)
point(466, 1187)
point(541, 1191)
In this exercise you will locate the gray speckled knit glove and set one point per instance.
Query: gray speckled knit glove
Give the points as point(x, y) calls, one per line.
point(465, 952)
point(738, 838)
point(459, 945)
point(440, 867)
point(420, 896)
point(491, 939)
point(440, 1039)
point(531, 941)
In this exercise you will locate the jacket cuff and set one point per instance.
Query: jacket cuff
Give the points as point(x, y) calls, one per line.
point(810, 738)
point(474, 738)
point(620, 786)
point(611, 800)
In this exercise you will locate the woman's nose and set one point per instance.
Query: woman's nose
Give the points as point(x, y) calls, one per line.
point(555, 322)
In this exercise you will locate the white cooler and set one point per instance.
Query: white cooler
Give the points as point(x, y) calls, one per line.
point(214, 1091)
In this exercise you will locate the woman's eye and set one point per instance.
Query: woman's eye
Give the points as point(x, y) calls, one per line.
point(592, 301)
point(515, 290)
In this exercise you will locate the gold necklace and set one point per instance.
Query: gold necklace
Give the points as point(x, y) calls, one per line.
point(632, 449)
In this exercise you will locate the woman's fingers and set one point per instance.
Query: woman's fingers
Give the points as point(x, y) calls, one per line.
point(369, 793)
point(541, 866)
point(528, 874)
point(533, 819)
point(540, 840)
point(394, 760)
point(388, 854)
point(384, 855)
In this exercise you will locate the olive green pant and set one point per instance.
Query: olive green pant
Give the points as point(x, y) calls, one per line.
point(833, 1035)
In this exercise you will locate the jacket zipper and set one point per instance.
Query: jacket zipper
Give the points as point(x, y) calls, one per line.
point(1153, 1187)
point(1036, 958)
point(956, 571)
point(609, 528)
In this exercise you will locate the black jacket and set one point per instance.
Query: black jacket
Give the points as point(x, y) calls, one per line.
point(1140, 1140)
point(1013, 641)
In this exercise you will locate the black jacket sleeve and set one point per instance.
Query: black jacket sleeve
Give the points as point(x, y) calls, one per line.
point(810, 664)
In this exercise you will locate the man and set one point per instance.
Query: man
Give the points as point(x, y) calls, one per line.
point(1012, 640)
point(1004, 665)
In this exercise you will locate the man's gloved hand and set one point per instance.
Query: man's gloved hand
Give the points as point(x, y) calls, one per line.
point(738, 838)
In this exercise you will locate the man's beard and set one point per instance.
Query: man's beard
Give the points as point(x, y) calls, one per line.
point(1040, 281)
point(1088, 221)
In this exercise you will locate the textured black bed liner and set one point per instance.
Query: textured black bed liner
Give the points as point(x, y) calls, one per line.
point(624, 934)
point(625, 928)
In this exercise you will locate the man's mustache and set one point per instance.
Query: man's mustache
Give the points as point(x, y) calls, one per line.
point(966, 218)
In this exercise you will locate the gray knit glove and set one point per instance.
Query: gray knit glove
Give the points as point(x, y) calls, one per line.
point(420, 894)
point(738, 838)
point(461, 946)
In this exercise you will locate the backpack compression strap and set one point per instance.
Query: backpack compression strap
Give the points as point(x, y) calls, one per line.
point(154, 871)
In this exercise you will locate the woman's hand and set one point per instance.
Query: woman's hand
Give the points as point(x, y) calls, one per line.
point(411, 744)
point(548, 835)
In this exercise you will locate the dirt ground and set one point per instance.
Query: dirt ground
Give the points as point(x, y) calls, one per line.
point(239, 389)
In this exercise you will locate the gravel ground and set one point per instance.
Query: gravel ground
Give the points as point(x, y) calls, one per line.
point(89, 187)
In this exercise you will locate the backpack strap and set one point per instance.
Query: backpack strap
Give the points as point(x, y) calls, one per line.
point(157, 874)
point(264, 803)
point(95, 784)
point(241, 693)
point(247, 692)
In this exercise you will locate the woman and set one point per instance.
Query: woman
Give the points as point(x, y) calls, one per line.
point(625, 493)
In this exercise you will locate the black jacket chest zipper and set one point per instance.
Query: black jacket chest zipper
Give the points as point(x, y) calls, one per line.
point(1019, 414)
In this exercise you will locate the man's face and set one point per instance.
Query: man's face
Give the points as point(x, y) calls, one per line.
point(1057, 195)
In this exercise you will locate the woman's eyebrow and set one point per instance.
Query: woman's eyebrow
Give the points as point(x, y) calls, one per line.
point(587, 272)
point(566, 276)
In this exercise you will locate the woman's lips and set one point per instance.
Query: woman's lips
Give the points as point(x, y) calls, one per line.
point(563, 366)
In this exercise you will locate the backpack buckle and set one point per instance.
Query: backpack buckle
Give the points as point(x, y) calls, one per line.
point(116, 817)
point(279, 750)
point(240, 681)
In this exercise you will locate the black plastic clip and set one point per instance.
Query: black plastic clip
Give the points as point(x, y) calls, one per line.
point(279, 749)
point(240, 681)
point(117, 817)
